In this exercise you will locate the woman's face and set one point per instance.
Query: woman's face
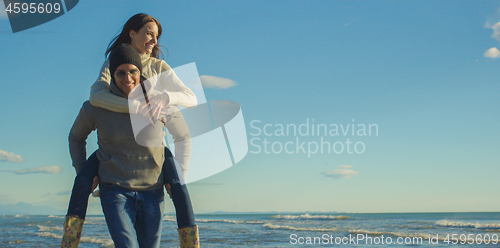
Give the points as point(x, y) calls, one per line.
point(145, 39)
point(127, 77)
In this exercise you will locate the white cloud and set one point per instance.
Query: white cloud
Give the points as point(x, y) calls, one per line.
point(346, 166)
point(54, 169)
point(340, 173)
point(492, 53)
point(496, 31)
point(11, 157)
point(216, 82)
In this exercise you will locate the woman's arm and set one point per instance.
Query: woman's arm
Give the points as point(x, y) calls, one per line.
point(100, 96)
point(178, 93)
point(80, 130)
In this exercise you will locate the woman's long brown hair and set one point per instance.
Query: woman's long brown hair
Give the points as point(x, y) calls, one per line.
point(135, 23)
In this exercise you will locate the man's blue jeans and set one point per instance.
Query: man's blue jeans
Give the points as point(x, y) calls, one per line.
point(180, 195)
point(134, 218)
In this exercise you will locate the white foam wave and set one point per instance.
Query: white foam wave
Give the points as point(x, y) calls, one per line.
point(49, 235)
point(173, 218)
point(102, 242)
point(255, 222)
point(311, 217)
point(446, 223)
point(224, 221)
point(95, 220)
point(272, 226)
point(169, 218)
point(84, 239)
point(18, 241)
point(363, 231)
point(48, 228)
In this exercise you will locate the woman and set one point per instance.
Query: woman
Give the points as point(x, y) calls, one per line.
point(141, 32)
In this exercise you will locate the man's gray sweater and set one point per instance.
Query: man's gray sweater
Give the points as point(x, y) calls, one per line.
point(122, 161)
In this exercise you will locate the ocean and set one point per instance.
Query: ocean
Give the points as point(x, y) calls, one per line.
point(282, 230)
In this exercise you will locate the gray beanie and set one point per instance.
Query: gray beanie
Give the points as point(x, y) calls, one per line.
point(124, 54)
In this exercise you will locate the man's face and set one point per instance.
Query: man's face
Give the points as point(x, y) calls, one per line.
point(127, 77)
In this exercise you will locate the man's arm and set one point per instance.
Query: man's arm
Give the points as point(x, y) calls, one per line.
point(80, 130)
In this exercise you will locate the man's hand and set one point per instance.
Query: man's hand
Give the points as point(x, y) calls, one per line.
point(95, 183)
point(167, 187)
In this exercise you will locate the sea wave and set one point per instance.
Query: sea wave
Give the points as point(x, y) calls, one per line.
point(255, 222)
point(272, 226)
point(233, 221)
point(173, 218)
point(446, 223)
point(102, 242)
point(95, 220)
point(223, 221)
point(420, 221)
point(169, 218)
point(84, 239)
point(18, 241)
point(49, 235)
point(311, 217)
point(48, 228)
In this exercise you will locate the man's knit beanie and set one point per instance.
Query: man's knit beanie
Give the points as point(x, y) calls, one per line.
point(124, 54)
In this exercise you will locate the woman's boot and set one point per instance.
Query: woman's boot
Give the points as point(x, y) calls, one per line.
point(189, 237)
point(72, 232)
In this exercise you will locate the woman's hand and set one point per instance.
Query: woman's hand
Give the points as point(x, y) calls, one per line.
point(158, 105)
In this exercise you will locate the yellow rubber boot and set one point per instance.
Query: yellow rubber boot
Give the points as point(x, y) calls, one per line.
point(72, 232)
point(189, 237)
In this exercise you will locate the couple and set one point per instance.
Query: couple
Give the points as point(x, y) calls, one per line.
point(131, 176)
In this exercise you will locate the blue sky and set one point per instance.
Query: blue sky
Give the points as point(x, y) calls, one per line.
point(425, 72)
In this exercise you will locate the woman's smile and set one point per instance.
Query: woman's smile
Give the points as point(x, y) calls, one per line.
point(145, 39)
